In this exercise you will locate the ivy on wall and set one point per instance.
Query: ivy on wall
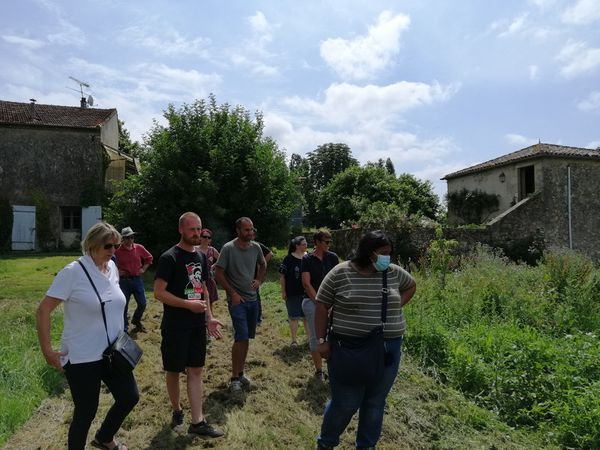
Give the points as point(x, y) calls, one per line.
point(469, 206)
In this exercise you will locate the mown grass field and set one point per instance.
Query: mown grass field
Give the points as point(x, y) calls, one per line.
point(443, 398)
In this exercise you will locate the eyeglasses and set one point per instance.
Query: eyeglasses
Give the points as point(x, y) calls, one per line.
point(205, 237)
point(109, 246)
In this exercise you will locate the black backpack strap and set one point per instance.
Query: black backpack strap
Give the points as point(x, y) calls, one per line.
point(100, 299)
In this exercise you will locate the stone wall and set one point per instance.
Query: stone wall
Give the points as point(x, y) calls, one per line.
point(58, 162)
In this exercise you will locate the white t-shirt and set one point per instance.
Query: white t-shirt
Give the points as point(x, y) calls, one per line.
point(84, 336)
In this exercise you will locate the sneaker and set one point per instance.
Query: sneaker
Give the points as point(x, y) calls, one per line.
point(294, 344)
point(205, 429)
point(245, 381)
point(235, 385)
point(177, 418)
point(323, 446)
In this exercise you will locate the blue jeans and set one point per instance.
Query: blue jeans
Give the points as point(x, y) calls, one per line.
point(368, 399)
point(244, 318)
point(135, 286)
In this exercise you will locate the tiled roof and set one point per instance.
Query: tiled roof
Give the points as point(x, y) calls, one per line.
point(534, 151)
point(14, 113)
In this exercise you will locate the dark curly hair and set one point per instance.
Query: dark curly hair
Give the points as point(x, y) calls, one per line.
point(371, 241)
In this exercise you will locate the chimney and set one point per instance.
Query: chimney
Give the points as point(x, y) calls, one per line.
point(32, 109)
point(83, 103)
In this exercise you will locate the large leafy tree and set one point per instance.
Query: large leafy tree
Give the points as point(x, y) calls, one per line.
point(212, 159)
point(316, 170)
point(351, 193)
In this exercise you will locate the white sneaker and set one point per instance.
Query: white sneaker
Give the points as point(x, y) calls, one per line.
point(245, 381)
point(235, 386)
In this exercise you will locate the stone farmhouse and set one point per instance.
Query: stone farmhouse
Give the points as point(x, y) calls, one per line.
point(546, 190)
point(61, 159)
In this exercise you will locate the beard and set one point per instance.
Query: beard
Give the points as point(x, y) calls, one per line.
point(193, 240)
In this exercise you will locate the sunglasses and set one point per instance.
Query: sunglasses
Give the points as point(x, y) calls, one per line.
point(206, 237)
point(109, 246)
point(128, 238)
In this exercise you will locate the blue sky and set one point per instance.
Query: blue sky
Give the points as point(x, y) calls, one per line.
point(435, 85)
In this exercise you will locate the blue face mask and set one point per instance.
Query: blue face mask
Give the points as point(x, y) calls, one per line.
point(382, 263)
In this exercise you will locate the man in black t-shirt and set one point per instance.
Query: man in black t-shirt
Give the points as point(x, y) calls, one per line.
point(180, 284)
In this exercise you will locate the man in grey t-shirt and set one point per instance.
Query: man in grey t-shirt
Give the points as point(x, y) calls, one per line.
point(235, 272)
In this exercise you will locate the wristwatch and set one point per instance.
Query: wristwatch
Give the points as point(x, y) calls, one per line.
point(322, 340)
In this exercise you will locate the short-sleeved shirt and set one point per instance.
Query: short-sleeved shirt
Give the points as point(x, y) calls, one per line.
point(356, 300)
point(184, 273)
point(317, 268)
point(131, 260)
point(291, 269)
point(239, 266)
point(84, 335)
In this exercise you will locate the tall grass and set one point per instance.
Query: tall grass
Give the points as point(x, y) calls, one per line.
point(25, 379)
point(518, 340)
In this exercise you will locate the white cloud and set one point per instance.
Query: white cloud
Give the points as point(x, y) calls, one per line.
point(520, 140)
point(253, 52)
point(30, 44)
point(346, 105)
point(533, 72)
point(517, 25)
point(168, 42)
point(582, 12)
point(593, 144)
point(578, 59)
point(365, 56)
point(591, 103)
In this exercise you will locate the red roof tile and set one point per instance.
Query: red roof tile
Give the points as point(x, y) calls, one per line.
point(534, 151)
point(14, 113)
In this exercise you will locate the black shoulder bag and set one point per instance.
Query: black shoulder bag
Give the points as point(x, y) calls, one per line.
point(359, 360)
point(124, 353)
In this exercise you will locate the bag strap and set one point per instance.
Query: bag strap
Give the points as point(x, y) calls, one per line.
point(99, 298)
point(384, 295)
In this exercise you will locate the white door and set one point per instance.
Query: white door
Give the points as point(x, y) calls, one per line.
point(23, 232)
point(89, 216)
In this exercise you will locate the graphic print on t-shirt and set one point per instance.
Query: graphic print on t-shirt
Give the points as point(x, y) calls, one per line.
point(193, 290)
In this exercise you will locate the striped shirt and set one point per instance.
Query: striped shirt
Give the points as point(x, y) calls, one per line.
point(356, 300)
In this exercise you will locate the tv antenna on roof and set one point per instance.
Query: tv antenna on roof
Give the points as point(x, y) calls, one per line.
point(84, 102)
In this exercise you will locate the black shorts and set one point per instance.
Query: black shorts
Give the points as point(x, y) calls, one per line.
point(181, 348)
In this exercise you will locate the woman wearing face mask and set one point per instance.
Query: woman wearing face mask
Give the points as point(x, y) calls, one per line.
point(354, 290)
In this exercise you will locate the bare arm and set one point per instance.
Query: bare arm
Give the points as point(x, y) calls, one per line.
point(212, 324)
point(321, 321)
point(221, 278)
point(282, 282)
point(310, 292)
point(406, 295)
point(162, 295)
point(44, 311)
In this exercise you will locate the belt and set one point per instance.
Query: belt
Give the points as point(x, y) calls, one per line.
point(127, 278)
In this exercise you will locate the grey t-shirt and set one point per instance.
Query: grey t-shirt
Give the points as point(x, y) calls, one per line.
point(239, 266)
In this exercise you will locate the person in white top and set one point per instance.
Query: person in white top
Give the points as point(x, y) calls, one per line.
point(84, 337)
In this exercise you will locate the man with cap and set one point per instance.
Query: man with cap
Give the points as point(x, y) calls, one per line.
point(133, 260)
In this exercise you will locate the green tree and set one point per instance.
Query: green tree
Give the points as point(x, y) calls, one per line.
point(389, 166)
point(211, 159)
point(323, 164)
point(126, 145)
point(352, 192)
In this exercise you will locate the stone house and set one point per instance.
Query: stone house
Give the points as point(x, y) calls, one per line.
point(62, 160)
point(546, 190)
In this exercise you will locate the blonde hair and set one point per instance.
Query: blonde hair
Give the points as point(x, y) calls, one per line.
point(187, 215)
point(99, 235)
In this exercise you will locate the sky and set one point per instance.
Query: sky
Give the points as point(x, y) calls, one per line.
point(435, 85)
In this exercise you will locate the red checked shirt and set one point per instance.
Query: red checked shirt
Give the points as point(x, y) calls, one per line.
point(130, 261)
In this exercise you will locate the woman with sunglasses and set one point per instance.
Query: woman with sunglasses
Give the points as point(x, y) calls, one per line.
point(211, 258)
point(84, 337)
